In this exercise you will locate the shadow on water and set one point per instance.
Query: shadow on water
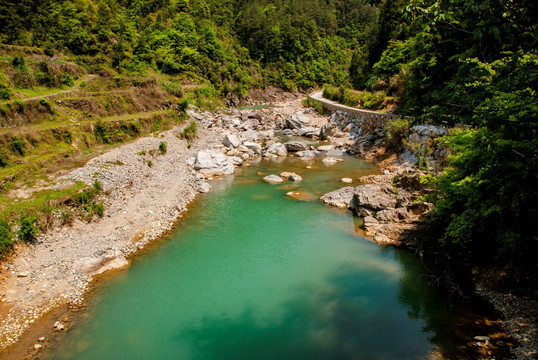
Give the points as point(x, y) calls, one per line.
point(346, 321)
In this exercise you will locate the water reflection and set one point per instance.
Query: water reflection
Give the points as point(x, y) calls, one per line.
point(351, 318)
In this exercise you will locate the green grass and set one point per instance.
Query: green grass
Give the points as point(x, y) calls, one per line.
point(39, 91)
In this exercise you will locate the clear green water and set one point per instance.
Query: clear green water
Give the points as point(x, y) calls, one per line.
point(253, 274)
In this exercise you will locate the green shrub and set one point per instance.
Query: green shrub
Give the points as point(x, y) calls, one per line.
point(396, 131)
point(88, 195)
point(189, 133)
point(6, 238)
point(3, 159)
point(66, 217)
point(18, 62)
point(183, 105)
point(372, 100)
point(18, 145)
point(162, 147)
point(99, 209)
point(27, 228)
point(173, 88)
point(5, 94)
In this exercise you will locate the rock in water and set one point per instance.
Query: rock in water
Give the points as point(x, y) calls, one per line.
point(291, 175)
point(211, 162)
point(325, 147)
point(273, 179)
point(277, 149)
point(342, 198)
point(307, 132)
point(375, 196)
point(330, 161)
point(295, 177)
point(347, 180)
point(295, 146)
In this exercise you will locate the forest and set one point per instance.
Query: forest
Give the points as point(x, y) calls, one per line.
point(471, 65)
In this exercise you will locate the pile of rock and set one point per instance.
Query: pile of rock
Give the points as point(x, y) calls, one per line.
point(386, 209)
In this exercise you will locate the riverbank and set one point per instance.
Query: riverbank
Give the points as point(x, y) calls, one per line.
point(146, 192)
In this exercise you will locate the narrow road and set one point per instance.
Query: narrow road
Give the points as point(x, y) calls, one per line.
point(333, 105)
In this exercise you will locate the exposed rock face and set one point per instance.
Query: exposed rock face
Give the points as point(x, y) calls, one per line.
point(95, 265)
point(295, 122)
point(212, 162)
point(231, 141)
point(393, 215)
point(342, 198)
point(294, 146)
point(273, 179)
point(375, 196)
point(277, 149)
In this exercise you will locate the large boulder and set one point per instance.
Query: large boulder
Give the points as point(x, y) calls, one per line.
point(98, 264)
point(291, 176)
point(231, 141)
point(375, 196)
point(307, 155)
point(342, 198)
point(294, 146)
point(212, 162)
point(257, 148)
point(250, 123)
point(273, 179)
point(307, 132)
point(327, 130)
point(277, 149)
point(251, 135)
point(295, 122)
point(334, 152)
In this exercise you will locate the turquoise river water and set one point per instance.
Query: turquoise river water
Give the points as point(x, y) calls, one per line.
point(251, 273)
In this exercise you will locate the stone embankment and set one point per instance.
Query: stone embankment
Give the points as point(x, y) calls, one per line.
point(391, 209)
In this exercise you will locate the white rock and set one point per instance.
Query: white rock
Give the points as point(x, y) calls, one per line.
point(257, 148)
point(273, 179)
point(277, 149)
point(231, 141)
point(347, 180)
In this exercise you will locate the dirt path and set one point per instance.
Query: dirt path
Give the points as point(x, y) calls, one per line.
point(86, 78)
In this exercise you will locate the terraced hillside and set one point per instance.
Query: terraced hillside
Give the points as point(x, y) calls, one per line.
point(57, 117)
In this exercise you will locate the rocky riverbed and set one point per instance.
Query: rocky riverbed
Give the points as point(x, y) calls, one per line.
point(147, 191)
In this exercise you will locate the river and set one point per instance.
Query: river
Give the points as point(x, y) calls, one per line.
point(251, 273)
